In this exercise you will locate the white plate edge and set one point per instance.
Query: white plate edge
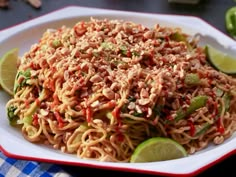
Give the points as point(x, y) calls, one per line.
point(74, 11)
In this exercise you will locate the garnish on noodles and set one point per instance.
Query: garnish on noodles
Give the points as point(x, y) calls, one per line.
point(102, 87)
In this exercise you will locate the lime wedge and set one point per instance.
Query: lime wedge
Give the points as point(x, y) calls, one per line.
point(8, 70)
point(221, 61)
point(158, 149)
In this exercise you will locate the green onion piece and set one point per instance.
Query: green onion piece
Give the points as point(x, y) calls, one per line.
point(12, 117)
point(56, 43)
point(123, 50)
point(196, 103)
point(226, 98)
point(26, 75)
point(107, 45)
point(203, 129)
point(28, 120)
point(192, 79)
point(178, 37)
point(219, 92)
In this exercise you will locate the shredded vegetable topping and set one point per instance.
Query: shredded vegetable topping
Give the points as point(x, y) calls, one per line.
point(102, 87)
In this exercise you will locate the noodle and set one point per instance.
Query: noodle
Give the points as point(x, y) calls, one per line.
point(102, 87)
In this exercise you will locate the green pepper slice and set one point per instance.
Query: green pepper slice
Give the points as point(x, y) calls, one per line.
point(230, 21)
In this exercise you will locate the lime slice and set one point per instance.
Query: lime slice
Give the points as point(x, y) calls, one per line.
point(221, 61)
point(158, 149)
point(8, 70)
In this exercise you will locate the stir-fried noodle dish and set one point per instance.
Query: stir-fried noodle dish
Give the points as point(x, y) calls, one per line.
point(100, 88)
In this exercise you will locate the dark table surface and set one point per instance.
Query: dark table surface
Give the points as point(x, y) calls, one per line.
point(212, 11)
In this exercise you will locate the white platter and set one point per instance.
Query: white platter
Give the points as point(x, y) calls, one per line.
point(24, 35)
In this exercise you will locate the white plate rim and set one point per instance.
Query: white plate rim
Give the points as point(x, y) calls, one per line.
point(222, 151)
